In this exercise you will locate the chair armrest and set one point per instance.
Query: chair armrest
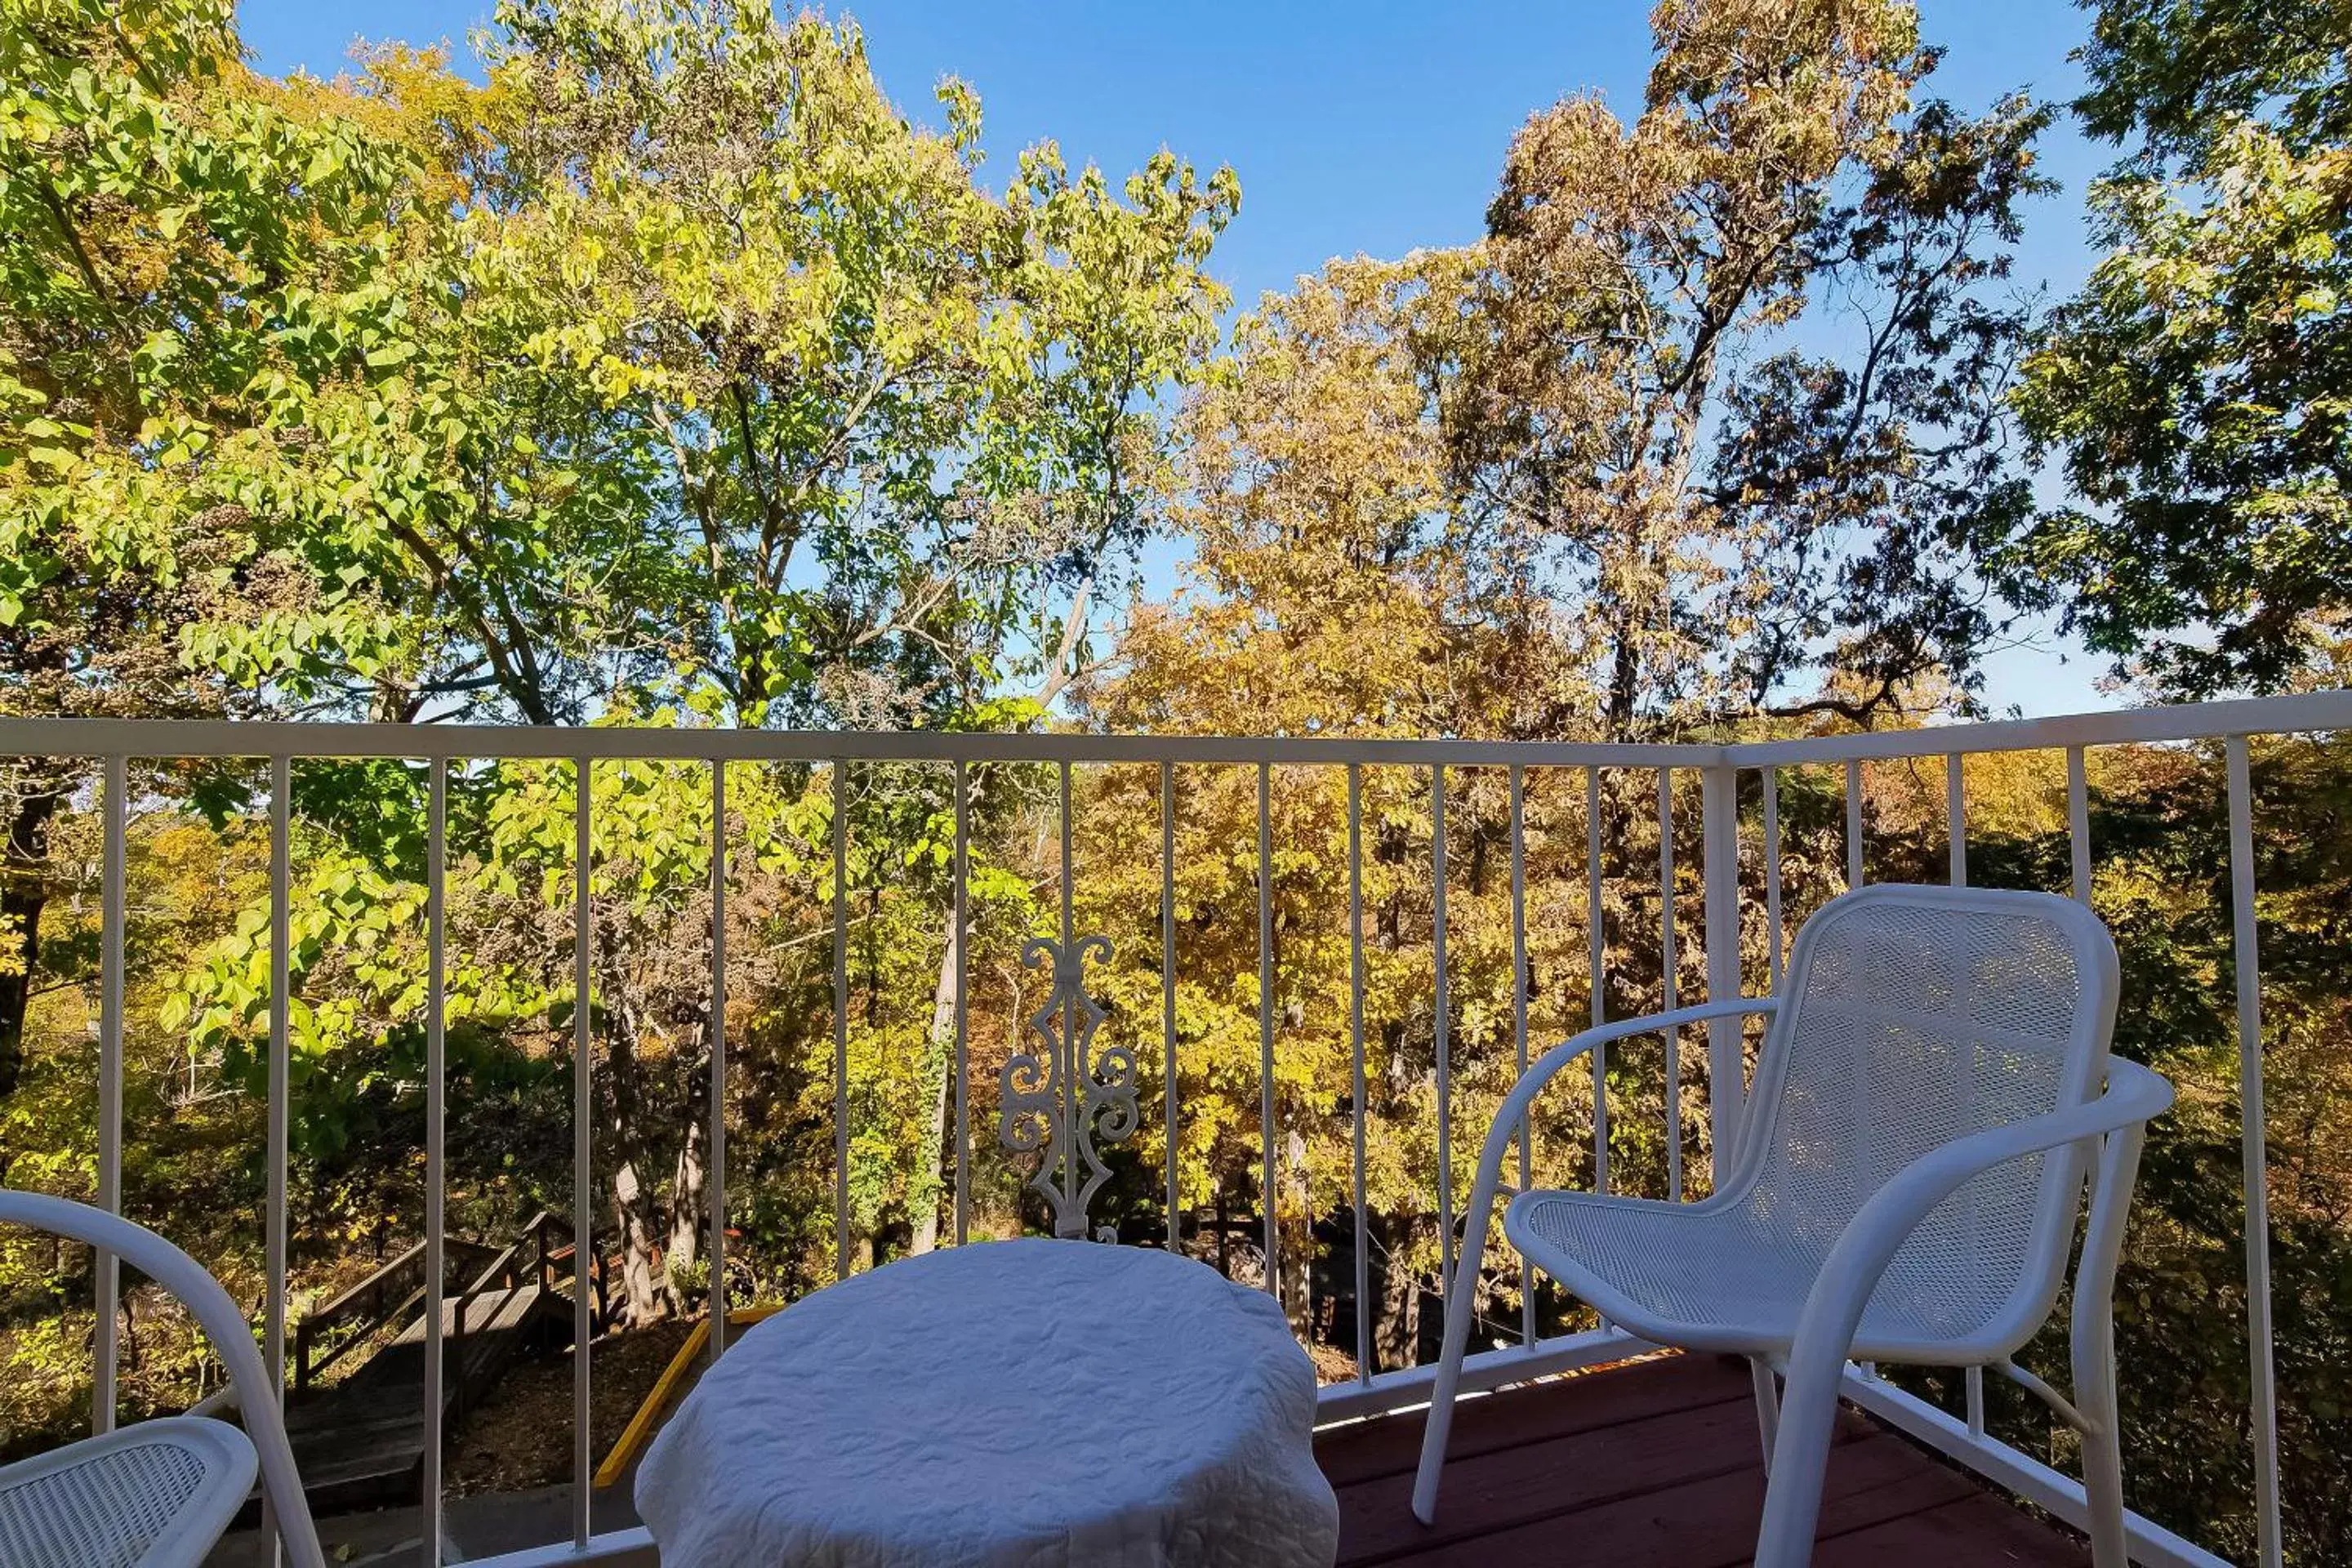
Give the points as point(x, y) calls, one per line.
point(1461, 1298)
point(1544, 1069)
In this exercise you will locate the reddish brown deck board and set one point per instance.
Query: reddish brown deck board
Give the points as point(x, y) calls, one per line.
point(1384, 1446)
point(1975, 1532)
point(1708, 1524)
point(1654, 1464)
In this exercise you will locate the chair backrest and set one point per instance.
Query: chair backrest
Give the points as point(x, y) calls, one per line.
point(1911, 1016)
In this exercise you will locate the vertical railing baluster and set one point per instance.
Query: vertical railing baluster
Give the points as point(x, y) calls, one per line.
point(840, 1020)
point(1956, 819)
point(1956, 834)
point(1265, 1013)
point(1444, 1037)
point(437, 1170)
point(2253, 1152)
point(1360, 1087)
point(962, 917)
point(282, 982)
point(583, 1156)
point(1519, 1026)
point(1668, 959)
point(1072, 1071)
point(2078, 822)
point(1772, 938)
point(1596, 938)
point(114, 901)
point(1726, 1040)
point(1852, 825)
point(718, 1059)
point(1168, 993)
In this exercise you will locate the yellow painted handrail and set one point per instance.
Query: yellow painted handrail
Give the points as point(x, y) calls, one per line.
point(640, 1429)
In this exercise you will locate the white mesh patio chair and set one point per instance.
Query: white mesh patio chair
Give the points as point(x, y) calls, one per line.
point(160, 1493)
point(1903, 1185)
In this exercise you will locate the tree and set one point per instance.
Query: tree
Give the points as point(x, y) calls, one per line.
point(1339, 586)
point(899, 424)
point(2159, 821)
point(1743, 521)
point(670, 374)
point(1576, 480)
point(2195, 392)
point(1336, 584)
point(892, 415)
point(142, 259)
point(1327, 593)
point(258, 452)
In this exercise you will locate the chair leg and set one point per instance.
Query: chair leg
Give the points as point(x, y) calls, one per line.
point(1800, 1456)
point(2103, 1456)
point(2103, 1479)
point(1459, 1310)
point(1767, 1405)
point(2095, 1347)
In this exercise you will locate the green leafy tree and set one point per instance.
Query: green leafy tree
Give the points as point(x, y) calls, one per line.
point(160, 211)
point(2195, 392)
point(892, 415)
point(2160, 823)
point(674, 375)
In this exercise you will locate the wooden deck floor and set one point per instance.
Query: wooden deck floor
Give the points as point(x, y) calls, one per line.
point(1655, 1466)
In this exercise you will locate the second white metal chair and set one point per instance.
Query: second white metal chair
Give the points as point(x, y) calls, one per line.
point(158, 1494)
point(1903, 1185)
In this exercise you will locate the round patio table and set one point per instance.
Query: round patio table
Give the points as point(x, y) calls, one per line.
point(1032, 1403)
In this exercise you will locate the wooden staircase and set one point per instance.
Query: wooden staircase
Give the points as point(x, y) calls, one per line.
point(360, 1443)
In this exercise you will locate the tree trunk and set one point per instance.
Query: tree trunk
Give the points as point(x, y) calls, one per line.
point(938, 1070)
point(643, 1296)
point(647, 1292)
point(686, 1193)
point(24, 891)
point(1624, 680)
point(1296, 1240)
point(1396, 1337)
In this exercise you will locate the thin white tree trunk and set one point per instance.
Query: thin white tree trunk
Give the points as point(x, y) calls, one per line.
point(938, 1067)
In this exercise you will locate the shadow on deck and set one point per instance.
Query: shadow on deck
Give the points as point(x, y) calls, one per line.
point(1656, 1466)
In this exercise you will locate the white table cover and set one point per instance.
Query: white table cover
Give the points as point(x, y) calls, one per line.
point(1025, 1402)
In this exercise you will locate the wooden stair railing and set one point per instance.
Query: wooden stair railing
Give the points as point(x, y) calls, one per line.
point(395, 1292)
point(388, 1295)
point(540, 1228)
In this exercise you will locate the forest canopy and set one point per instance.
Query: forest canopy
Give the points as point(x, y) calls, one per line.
point(655, 368)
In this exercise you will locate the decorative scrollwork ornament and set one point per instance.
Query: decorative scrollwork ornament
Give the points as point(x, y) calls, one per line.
point(1063, 1097)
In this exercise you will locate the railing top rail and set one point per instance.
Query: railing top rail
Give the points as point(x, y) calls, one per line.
point(2307, 712)
point(176, 738)
point(233, 737)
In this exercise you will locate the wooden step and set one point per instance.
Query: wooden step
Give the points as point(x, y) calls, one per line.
point(361, 1444)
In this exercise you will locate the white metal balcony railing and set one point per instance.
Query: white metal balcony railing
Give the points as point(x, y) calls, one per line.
point(1063, 1099)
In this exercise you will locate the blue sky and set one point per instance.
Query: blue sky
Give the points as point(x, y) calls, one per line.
point(1369, 128)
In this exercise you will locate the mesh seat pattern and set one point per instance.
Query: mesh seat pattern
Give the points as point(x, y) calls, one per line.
point(106, 1511)
point(1912, 1024)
